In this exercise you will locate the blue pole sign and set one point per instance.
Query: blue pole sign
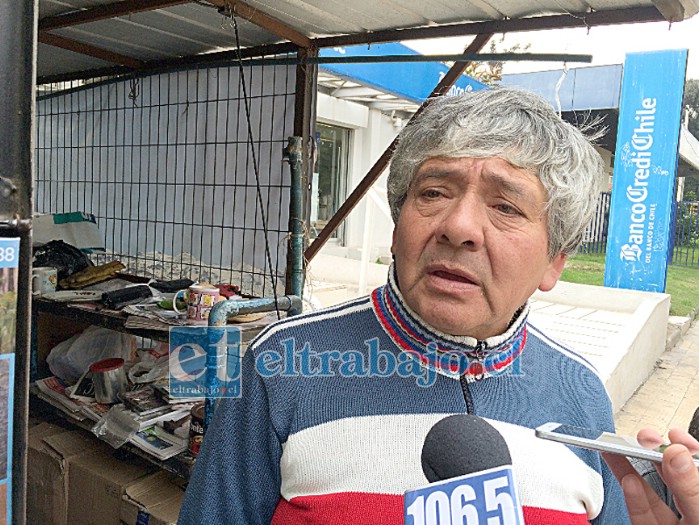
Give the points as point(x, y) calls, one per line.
point(645, 167)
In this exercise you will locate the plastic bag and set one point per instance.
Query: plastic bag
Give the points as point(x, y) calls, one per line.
point(154, 365)
point(71, 358)
point(116, 427)
point(66, 258)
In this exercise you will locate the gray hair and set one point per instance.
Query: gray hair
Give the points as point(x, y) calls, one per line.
point(521, 128)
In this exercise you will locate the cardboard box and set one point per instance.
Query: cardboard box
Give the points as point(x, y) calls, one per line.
point(96, 485)
point(154, 500)
point(49, 451)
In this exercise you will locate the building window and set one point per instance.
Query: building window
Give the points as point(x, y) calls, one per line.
point(330, 177)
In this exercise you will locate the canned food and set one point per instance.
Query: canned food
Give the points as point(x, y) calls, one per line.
point(196, 428)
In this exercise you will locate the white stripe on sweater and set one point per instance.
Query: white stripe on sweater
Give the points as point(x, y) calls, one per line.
point(381, 454)
point(562, 349)
point(357, 305)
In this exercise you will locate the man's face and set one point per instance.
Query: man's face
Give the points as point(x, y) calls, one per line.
point(470, 244)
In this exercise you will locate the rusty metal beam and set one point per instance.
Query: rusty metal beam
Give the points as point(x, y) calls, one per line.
point(377, 169)
point(102, 12)
point(615, 16)
point(90, 50)
point(172, 64)
point(259, 18)
point(618, 16)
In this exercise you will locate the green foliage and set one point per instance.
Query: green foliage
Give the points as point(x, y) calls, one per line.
point(690, 105)
point(491, 72)
point(682, 281)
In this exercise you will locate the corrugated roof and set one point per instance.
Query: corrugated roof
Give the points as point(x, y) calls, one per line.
point(77, 36)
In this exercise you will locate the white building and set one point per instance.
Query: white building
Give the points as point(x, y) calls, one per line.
point(359, 116)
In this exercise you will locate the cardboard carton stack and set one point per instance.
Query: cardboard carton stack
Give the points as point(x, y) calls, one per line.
point(155, 500)
point(75, 478)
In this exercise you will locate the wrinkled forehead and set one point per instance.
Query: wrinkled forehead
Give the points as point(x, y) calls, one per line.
point(495, 170)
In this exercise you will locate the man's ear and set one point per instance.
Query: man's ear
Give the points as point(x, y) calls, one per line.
point(393, 240)
point(553, 272)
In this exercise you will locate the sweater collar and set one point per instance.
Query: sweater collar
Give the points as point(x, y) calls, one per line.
point(453, 356)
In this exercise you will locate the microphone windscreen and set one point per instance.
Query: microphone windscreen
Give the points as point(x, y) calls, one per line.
point(462, 444)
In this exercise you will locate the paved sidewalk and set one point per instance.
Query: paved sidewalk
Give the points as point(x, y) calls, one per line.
point(669, 397)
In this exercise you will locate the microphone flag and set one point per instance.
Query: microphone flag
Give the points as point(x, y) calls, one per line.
point(488, 497)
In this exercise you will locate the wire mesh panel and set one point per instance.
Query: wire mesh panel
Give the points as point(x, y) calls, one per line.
point(165, 163)
point(595, 239)
point(685, 251)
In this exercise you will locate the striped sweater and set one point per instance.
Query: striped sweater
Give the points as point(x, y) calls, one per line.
point(332, 434)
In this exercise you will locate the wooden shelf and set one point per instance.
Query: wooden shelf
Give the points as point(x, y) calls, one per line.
point(181, 464)
point(87, 315)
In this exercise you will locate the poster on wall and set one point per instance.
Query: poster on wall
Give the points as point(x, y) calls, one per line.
point(9, 258)
point(645, 168)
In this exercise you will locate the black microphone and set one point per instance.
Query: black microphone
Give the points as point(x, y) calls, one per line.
point(462, 444)
point(469, 466)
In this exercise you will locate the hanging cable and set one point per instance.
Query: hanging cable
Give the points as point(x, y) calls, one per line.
point(251, 143)
point(558, 88)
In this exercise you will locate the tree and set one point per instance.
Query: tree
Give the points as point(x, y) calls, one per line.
point(690, 106)
point(491, 72)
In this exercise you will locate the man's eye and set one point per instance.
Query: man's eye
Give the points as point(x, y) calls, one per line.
point(431, 194)
point(507, 209)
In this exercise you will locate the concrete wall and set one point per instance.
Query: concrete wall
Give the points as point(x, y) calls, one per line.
point(621, 332)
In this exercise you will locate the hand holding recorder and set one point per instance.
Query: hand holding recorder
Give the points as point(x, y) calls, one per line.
point(677, 470)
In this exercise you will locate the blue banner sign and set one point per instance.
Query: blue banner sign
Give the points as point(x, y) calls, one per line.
point(9, 253)
point(9, 263)
point(412, 81)
point(489, 496)
point(645, 167)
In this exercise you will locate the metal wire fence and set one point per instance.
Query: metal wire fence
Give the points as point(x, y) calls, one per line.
point(685, 251)
point(165, 163)
point(595, 239)
point(684, 241)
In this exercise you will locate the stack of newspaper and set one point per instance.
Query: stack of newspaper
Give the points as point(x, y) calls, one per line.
point(157, 444)
point(149, 411)
point(55, 391)
point(151, 317)
point(148, 408)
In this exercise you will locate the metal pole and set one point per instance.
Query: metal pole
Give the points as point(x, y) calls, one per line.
point(380, 165)
point(297, 244)
point(218, 317)
point(18, 22)
point(301, 143)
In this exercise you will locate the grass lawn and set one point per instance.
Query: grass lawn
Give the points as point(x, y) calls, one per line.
point(682, 281)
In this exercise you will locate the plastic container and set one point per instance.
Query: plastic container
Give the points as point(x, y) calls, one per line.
point(109, 379)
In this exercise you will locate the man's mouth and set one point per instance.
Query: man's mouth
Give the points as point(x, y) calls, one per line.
point(451, 275)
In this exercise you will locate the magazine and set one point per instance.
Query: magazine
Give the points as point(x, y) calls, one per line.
point(144, 401)
point(55, 391)
point(140, 422)
point(55, 388)
point(151, 317)
point(157, 445)
point(181, 438)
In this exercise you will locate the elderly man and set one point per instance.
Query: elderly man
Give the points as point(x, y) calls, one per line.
point(490, 192)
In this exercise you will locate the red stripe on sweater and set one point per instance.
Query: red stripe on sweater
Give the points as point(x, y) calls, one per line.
point(361, 508)
point(355, 508)
point(536, 516)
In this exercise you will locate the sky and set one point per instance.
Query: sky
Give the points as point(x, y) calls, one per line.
point(606, 44)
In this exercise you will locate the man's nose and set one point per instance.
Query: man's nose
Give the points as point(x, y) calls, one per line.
point(463, 223)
